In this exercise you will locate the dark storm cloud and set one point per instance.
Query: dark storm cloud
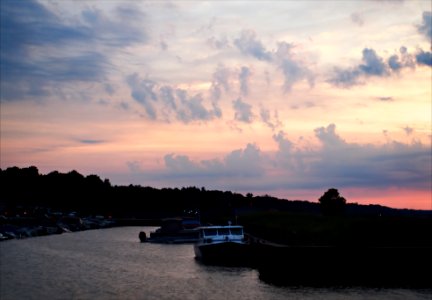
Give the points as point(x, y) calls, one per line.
point(36, 46)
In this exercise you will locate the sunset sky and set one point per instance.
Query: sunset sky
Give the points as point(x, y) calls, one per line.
point(285, 98)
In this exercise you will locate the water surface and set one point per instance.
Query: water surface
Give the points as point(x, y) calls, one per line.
point(113, 264)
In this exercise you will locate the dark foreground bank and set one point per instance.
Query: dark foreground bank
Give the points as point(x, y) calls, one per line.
point(407, 267)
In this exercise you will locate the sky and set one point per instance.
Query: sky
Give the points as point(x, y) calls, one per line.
point(280, 98)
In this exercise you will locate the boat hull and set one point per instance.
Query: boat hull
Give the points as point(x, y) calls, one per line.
point(229, 253)
point(184, 236)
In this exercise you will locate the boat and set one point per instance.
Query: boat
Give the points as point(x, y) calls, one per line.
point(222, 245)
point(174, 231)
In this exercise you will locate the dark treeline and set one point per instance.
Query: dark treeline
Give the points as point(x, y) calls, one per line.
point(34, 204)
point(90, 195)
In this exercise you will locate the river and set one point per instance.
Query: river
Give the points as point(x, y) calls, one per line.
point(113, 264)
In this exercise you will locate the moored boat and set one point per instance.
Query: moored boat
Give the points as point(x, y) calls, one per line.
point(222, 245)
point(174, 230)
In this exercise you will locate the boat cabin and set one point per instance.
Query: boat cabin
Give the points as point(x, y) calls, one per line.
point(209, 234)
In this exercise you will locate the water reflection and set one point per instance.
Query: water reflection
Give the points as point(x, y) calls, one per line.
point(113, 264)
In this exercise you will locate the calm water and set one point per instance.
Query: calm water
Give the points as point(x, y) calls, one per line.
point(113, 264)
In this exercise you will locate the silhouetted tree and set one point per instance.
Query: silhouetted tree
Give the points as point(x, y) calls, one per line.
point(332, 203)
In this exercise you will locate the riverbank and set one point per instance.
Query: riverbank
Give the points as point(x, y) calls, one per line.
point(18, 227)
point(380, 267)
point(313, 229)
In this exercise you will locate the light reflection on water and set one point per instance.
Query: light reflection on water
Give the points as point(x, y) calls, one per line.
point(113, 264)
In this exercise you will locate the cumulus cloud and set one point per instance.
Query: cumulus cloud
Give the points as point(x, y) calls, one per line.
point(403, 60)
point(142, 90)
point(355, 165)
point(426, 26)
point(244, 76)
point(218, 43)
point(238, 163)
point(336, 163)
point(243, 111)
point(375, 66)
point(220, 82)
point(293, 69)
point(192, 108)
point(181, 165)
point(271, 121)
point(291, 161)
point(424, 58)
point(248, 44)
point(167, 95)
point(164, 102)
point(245, 162)
point(328, 137)
point(284, 58)
point(285, 145)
